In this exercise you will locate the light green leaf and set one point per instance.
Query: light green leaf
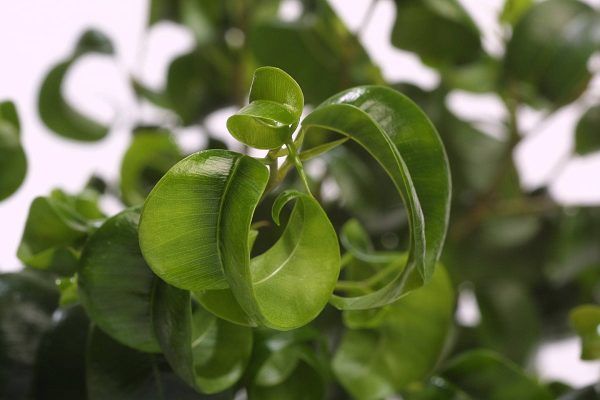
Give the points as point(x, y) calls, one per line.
point(55, 112)
point(13, 163)
point(439, 31)
point(116, 285)
point(194, 233)
point(403, 348)
point(483, 374)
point(586, 322)
point(514, 9)
point(208, 353)
point(151, 153)
point(546, 58)
point(276, 103)
point(406, 145)
point(587, 132)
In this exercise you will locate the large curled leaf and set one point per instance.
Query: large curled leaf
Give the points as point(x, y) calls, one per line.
point(406, 145)
point(151, 153)
point(55, 229)
point(194, 233)
point(586, 322)
point(276, 103)
point(440, 32)
point(116, 286)
point(208, 353)
point(482, 374)
point(405, 345)
point(13, 163)
point(587, 132)
point(546, 58)
point(58, 115)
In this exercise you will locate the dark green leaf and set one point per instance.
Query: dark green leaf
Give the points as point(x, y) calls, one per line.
point(587, 132)
point(194, 233)
point(55, 112)
point(13, 163)
point(406, 145)
point(403, 348)
point(586, 322)
point(151, 153)
point(546, 58)
point(116, 285)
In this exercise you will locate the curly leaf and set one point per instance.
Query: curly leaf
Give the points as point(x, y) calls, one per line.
point(587, 132)
point(116, 285)
point(13, 163)
point(403, 348)
point(194, 233)
point(586, 321)
point(276, 104)
point(151, 153)
point(55, 112)
point(406, 145)
point(208, 353)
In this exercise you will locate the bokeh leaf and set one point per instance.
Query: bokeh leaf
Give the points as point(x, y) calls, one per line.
point(13, 162)
point(56, 113)
point(586, 322)
point(587, 132)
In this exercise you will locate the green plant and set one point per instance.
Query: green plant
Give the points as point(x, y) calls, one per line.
point(227, 273)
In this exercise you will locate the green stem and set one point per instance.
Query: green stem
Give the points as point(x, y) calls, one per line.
point(298, 164)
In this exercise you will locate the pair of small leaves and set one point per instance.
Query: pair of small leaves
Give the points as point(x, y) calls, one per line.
point(56, 113)
point(194, 233)
point(128, 302)
point(13, 163)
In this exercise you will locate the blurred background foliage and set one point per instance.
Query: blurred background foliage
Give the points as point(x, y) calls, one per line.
point(532, 265)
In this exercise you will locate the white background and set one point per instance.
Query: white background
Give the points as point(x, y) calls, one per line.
point(35, 34)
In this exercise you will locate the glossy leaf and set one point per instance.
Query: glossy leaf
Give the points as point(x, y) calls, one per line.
point(116, 285)
point(56, 113)
point(13, 163)
point(208, 353)
point(194, 233)
point(276, 103)
point(406, 145)
point(440, 32)
point(151, 153)
point(485, 375)
point(55, 229)
point(404, 347)
point(546, 58)
point(587, 132)
point(586, 322)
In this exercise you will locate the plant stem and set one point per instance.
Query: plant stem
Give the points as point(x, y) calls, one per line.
point(298, 164)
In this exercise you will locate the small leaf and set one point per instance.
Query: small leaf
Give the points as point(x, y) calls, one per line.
point(54, 110)
point(208, 353)
point(116, 285)
point(483, 374)
point(276, 104)
point(403, 348)
point(587, 132)
point(151, 153)
point(514, 9)
point(586, 322)
point(194, 233)
point(13, 163)
point(406, 145)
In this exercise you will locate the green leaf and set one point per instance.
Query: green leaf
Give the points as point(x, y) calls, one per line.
point(58, 115)
point(405, 346)
point(151, 153)
point(440, 32)
point(116, 286)
point(587, 132)
point(194, 233)
point(514, 9)
point(55, 229)
point(13, 163)
point(546, 58)
point(483, 374)
point(276, 103)
point(208, 353)
point(586, 322)
point(406, 145)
